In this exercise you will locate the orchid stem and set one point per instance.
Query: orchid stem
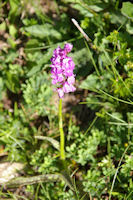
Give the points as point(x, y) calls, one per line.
point(62, 137)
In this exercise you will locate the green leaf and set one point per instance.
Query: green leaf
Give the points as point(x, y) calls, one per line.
point(85, 12)
point(3, 26)
point(12, 42)
point(12, 55)
point(96, 8)
point(91, 82)
point(34, 70)
point(34, 43)
point(64, 171)
point(12, 30)
point(16, 182)
point(127, 9)
point(12, 82)
point(43, 31)
point(15, 9)
point(54, 142)
point(129, 28)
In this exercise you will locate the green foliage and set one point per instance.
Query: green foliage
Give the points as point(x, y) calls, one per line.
point(43, 161)
point(37, 94)
point(97, 135)
point(43, 31)
point(82, 148)
point(94, 183)
point(11, 71)
point(14, 135)
point(127, 167)
point(127, 9)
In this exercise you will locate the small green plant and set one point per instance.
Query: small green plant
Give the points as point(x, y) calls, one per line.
point(89, 156)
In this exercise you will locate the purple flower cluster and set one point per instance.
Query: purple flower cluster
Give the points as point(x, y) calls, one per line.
point(62, 70)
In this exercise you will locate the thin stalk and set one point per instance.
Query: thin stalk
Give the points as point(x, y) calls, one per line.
point(121, 100)
point(109, 154)
point(92, 59)
point(62, 137)
point(91, 125)
point(117, 171)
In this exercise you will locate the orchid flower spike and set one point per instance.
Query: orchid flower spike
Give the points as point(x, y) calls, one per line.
point(62, 70)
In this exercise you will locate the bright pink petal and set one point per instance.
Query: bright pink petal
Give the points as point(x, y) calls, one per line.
point(68, 47)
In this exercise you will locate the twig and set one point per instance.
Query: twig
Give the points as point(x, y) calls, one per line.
point(80, 29)
point(82, 32)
